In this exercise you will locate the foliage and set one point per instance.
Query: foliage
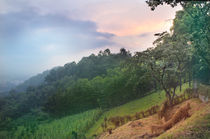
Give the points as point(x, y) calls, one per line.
point(62, 83)
point(193, 24)
point(89, 67)
point(118, 87)
point(60, 128)
point(167, 62)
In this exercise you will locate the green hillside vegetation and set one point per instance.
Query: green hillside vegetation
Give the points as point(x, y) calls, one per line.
point(112, 84)
point(61, 128)
point(85, 124)
point(155, 98)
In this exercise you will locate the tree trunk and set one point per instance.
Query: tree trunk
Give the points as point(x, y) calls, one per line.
point(168, 95)
point(180, 83)
point(189, 79)
point(195, 86)
point(155, 84)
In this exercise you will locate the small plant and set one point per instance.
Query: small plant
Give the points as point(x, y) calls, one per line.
point(137, 115)
point(142, 113)
point(94, 136)
point(122, 120)
point(109, 130)
point(128, 117)
point(103, 126)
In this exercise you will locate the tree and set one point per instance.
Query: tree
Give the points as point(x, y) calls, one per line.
point(124, 52)
point(107, 52)
point(159, 69)
point(192, 23)
point(166, 62)
point(154, 3)
point(180, 52)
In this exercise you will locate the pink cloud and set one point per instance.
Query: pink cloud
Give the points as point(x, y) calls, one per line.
point(127, 17)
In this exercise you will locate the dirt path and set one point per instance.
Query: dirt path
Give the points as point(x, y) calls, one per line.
point(141, 128)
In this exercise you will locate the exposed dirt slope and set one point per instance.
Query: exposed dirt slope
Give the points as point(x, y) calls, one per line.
point(141, 128)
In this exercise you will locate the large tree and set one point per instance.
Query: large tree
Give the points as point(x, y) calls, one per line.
point(192, 24)
point(167, 62)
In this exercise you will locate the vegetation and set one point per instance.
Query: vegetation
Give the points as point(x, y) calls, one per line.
point(32, 82)
point(67, 127)
point(155, 98)
point(101, 84)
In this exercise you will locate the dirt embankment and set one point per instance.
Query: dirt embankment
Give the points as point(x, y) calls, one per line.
point(142, 128)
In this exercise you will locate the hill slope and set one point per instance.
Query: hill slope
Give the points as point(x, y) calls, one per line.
point(130, 109)
point(33, 81)
point(141, 128)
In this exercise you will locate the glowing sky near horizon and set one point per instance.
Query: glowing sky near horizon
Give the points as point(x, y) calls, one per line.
point(38, 35)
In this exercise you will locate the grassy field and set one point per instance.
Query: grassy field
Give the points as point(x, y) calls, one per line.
point(62, 128)
point(130, 109)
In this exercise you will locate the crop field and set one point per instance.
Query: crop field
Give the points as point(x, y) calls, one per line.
point(63, 128)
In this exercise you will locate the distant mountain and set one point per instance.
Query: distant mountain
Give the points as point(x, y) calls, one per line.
point(6, 86)
point(33, 81)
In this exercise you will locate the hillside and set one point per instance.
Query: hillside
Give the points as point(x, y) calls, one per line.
point(5, 87)
point(33, 81)
point(87, 123)
point(155, 98)
point(141, 128)
point(149, 79)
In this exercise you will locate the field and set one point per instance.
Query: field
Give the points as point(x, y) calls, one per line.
point(62, 128)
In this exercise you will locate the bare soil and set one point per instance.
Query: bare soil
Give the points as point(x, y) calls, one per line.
point(140, 129)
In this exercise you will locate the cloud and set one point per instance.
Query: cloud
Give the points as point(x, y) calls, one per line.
point(135, 42)
point(120, 17)
point(144, 34)
point(83, 33)
point(38, 34)
point(34, 41)
point(32, 29)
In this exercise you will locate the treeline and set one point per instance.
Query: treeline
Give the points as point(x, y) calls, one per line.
point(33, 81)
point(117, 87)
point(102, 80)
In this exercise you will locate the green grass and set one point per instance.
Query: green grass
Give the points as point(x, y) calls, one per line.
point(61, 128)
point(130, 109)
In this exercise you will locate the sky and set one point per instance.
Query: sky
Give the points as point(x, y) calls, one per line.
point(36, 35)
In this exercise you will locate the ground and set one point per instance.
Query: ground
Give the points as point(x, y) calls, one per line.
point(184, 129)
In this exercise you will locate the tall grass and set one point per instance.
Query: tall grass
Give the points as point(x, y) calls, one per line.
point(61, 128)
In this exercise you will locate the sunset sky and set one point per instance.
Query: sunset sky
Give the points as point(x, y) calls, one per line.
point(36, 35)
